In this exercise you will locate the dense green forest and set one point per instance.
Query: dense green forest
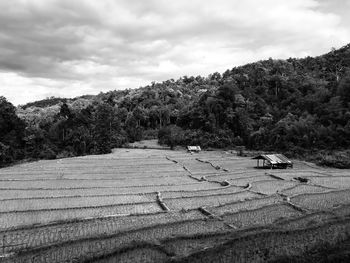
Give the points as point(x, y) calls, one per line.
point(297, 106)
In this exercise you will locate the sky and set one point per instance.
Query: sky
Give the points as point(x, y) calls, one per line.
point(68, 48)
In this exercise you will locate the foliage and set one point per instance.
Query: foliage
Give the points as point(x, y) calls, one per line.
point(11, 133)
point(5, 154)
point(171, 135)
point(334, 159)
point(292, 106)
point(45, 103)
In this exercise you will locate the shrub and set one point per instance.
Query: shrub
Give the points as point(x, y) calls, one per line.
point(5, 155)
point(334, 159)
point(171, 135)
point(47, 153)
point(119, 139)
point(135, 134)
point(150, 134)
point(65, 154)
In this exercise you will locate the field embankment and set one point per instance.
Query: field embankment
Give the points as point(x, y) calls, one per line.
point(143, 205)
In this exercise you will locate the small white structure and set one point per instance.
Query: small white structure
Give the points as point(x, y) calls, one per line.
point(194, 149)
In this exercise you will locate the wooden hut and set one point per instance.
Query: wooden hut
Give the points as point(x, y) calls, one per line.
point(191, 149)
point(273, 161)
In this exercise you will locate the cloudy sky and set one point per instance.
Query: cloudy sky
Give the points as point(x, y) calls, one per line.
point(69, 48)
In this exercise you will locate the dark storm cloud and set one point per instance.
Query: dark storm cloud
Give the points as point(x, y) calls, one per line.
point(66, 47)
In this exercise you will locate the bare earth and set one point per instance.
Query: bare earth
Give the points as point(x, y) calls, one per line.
point(152, 205)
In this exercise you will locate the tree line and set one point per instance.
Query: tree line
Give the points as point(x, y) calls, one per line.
point(295, 106)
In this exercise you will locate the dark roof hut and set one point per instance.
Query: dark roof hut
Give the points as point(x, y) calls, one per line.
point(273, 161)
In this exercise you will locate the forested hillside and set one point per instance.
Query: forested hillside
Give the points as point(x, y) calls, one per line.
point(295, 106)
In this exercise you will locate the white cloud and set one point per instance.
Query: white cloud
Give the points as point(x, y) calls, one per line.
point(69, 48)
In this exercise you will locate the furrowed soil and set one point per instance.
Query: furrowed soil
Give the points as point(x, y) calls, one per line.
point(158, 205)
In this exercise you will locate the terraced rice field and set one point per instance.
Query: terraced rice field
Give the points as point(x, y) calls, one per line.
point(157, 205)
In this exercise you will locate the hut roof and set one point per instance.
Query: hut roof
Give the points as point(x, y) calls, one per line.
point(194, 148)
point(274, 158)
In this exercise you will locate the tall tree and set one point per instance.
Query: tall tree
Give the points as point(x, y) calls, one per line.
point(344, 89)
point(11, 133)
point(104, 127)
